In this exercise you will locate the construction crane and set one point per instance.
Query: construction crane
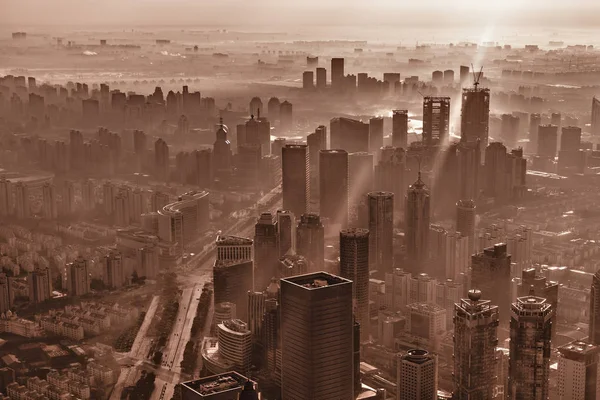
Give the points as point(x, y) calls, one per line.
point(476, 77)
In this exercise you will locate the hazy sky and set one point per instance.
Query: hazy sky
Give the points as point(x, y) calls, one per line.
point(282, 12)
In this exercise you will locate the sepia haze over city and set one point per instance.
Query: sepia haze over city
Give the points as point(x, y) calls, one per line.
point(299, 200)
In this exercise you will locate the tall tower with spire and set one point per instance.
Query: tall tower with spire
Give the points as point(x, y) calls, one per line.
point(416, 232)
point(222, 153)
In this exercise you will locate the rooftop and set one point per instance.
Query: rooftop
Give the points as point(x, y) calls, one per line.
point(316, 280)
point(233, 240)
point(228, 381)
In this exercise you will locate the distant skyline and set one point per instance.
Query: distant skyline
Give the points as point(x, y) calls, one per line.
point(575, 13)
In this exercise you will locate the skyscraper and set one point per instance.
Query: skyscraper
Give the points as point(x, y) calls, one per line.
point(49, 202)
point(475, 341)
point(5, 297)
point(286, 232)
point(595, 116)
point(390, 177)
point(475, 115)
point(333, 186)
point(360, 181)
point(349, 134)
point(490, 272)
point(541, 287)
point(232, 281)
point(22, 203)
point(222, 154)
point(266, 251)
point(375, 134)
point(6, 197)
point(417, 215)
point(509, 129)
point(321, 78)
point(436, 120)
point(547, 141)
point(40, 285)
point(465, 221)
point(535, 120)
point(417, 376)
point(316, 337)
point(78, 278)
point(530, 338)
point(381, 232)
point(400, 128)
point(594, 334)
point(354, 266)
point(310, 241)
point(114, 275)
point(161, 159)
point(469, 169)
point(316, 142)
point(579, 371)
point(295, 178)
point(337, 73)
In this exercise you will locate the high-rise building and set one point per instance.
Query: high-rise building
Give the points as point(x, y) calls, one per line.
point(333, 186)
point(349, 134)
point(466, 220)
point(496, 182)
point(234, 248)
point(547, 141)
point(541, 287)
point(475, 116)
point(310, 241)
point(295, 178)
point(375, 134)
point(316, 142)
point(436, 120)
point(256, 311)
point(400, 128)
point(417, 376)
point(222, 154)
point(417, 216)
point(469, 169)
point(535, 120)
point(464, 74)
point(308, 80)
point(448, 252)
point(40, 285)
point(6, 197)
point(490, 272)
point(390, 177)
point(578, 371)
point(22, 203)
point(5, 297)
point(292, 265)
point(114, 275)
point(337, 73)
point(317, 337)
point(286, 232)
point(354, 266)
point(255, 106)
point(595, 116)
point(78, 277)
point(286, 116)
point(266, 251)
point(594, 333)
point(235, 344)
point(475, 341)
point(161, 160)
point(321, 78)
point(530, 350)
point(232, 281)
point(360, 181)
point(49, 202)
point(570, 139)
point(381, 232)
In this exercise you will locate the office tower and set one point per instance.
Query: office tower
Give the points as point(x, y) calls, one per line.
point(222, 154)
point(6, 197)
point(475, 116)
point(333, 186)
point(595, 116)
point(291, 265)
point(390, 175)
point(360, 181)
point(437, 78)
point(490, 272)
point(255, 106)
point(234, 248)
point(354, 266)
point(266, 252)
point(271, 339)
point(449, 77)
point(40, 285)
point(249, 161)
point(232, 281)
point(417, 376)
point(5, 297)
point(286, 232)
point(530, 339)
point(114, 275)
point(321, 78)
point(286, 116)
point(509, 129)
point(469, 169)
point(158, 200)
point(185, 219)
point(436, 120)
point(465, 221)
point(337, 73)
point(400, 128)
point(464, 74)
point(417, 215)
point(310, 241)
point(295, 178)
point(570, 140)
point(49, 203)
point(496, 182)
point(349, 134)
point(22, 204)
point(594, 333)
point(308, 80)
point(78, 278)
point(397, 288)
point(161, 159)
point(256, 311)
point(148, 261)
point(578, 371)
point(541, 287)
point(555, 119)
point(235, 344)
point(381, 231)
point(535, 120)
point(449, 254)
point(273, 107)
point(475, 341)
point(76, 150)
point(316, 337)
point(67, 198)
point(375, 135)
point(316, 142)
point(547, 141)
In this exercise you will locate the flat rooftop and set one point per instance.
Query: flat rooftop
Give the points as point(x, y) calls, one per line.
point(226, 382)
point(316, 280)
